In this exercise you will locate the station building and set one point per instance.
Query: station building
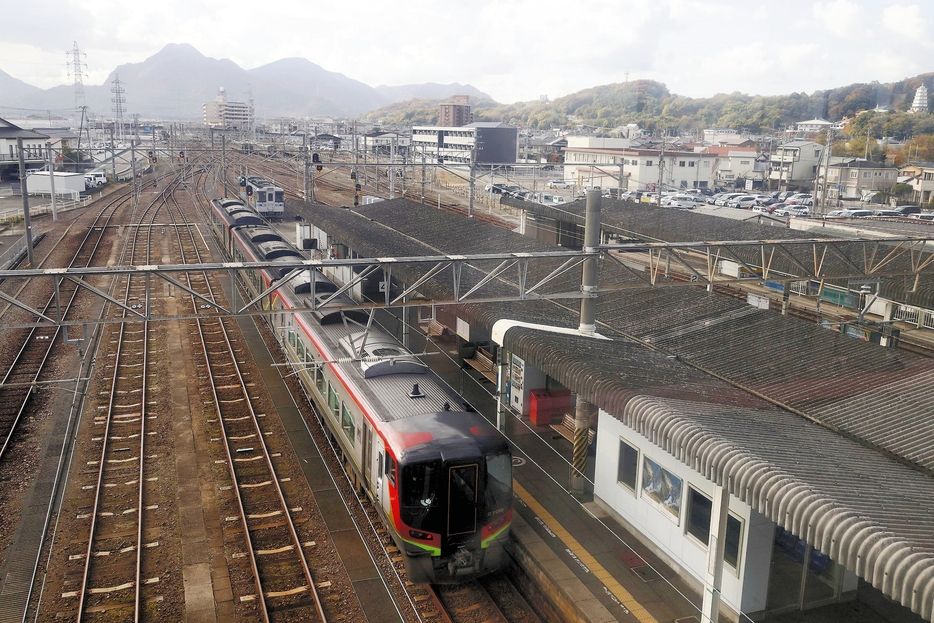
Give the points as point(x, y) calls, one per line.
point(820, 443)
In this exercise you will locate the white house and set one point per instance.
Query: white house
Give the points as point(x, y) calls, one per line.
point(795, 163)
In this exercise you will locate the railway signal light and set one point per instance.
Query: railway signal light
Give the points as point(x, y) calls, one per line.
point(353, 175)
point(317, 160)
point(249, 191)
point(242, 181)
point(181, 155)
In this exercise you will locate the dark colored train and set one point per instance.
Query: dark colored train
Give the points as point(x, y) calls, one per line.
point(440, 474)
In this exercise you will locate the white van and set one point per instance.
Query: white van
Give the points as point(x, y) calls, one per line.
point(94, 180)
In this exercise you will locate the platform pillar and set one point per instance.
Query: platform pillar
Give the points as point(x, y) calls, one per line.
point(581, 433)
point(715, 546)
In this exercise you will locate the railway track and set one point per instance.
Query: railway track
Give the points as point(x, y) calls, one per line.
point(25, 369)
point(112, 578)
point(283, 585)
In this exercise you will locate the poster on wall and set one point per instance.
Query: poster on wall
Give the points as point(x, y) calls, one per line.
point(661, 486)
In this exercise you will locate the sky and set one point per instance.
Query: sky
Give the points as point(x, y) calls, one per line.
point(513, 50)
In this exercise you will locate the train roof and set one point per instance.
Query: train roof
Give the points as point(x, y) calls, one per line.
point(380, 355)
point(453, 435)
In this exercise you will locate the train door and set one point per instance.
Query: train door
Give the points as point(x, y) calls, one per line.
point(367, 455)
point(462, 498)
point(378, 465)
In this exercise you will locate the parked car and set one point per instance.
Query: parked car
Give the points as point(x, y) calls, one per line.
point(924, 216)
point(558, 184)
point(908, 209)
point(744, 203)
point(798, 198)
point(722, 201)
point(884, 213)
point(859, 213)
point(788, 210)
point(680, 200)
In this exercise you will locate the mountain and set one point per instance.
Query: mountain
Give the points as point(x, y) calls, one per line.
point(175, 83)
point(13, 88)
point(303, 88)
point(431, 91)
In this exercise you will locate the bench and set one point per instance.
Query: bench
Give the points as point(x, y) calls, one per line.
point(482, 362)
point(436, 329)
point(566, 429)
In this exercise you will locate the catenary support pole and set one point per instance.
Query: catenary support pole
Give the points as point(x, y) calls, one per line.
point(22, 187)
point(52, 180)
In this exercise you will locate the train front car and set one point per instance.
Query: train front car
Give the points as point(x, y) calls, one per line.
point(452, 501)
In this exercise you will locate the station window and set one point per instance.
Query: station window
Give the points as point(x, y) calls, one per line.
point(698, 526)
point(347, 423)
point(628, 465)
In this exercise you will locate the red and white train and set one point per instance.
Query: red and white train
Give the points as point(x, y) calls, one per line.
point(440, 474)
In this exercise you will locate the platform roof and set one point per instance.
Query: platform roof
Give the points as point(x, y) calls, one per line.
point(831, 437)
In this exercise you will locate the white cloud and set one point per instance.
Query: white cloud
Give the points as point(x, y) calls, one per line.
point(840, 17)
point(906, 21)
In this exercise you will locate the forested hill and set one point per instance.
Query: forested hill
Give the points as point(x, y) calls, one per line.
point(652, 106)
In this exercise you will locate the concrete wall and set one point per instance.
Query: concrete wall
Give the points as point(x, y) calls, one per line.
point(667, 535)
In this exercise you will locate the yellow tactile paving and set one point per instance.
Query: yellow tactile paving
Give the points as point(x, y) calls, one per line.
point(598, 570)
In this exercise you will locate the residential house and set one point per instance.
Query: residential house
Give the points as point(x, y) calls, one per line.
point(735, 165)
point(852, 180)
point(35, 149)
point(920, 177)
point(794, 164)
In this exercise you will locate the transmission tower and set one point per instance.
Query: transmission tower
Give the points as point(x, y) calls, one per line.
point(76, 68)
point(118, 107)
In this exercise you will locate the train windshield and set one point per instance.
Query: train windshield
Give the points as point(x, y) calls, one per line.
point(498, 483)
point(418, 493)
point(279, 196)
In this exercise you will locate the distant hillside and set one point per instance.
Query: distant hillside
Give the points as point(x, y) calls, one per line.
point(652, 106)
point(430, 91)
point(12, 88)
point(299, 88)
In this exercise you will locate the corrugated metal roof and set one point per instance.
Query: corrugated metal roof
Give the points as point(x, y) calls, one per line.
point(872, 514)
point(829, 436)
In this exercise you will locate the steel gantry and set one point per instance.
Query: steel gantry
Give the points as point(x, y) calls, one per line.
point(495, 277)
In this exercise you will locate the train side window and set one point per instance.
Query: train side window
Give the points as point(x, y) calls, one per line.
point(300, 348)
point(347, 423)
point(291, 338)
point(320, 380)
point(334, 401)
point(391, 469)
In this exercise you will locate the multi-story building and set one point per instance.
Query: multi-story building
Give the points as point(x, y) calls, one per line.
point(851, 180)
point(592, 166)
point(794, 164)
point(221, 112)
point(487, 143)
point(736, 164)
point(920, 177)
point(455, 113)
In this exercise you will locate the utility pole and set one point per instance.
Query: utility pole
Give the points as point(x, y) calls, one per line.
point(392, 169)
point(224, 162)
point(473, 158)
point(23, 191)
point(661, 170)
point(52, 179)
point(366, 172)
point(113, 156)
point(305, 166)
point(828, 151)
point(133, 164)
point(423, 177)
